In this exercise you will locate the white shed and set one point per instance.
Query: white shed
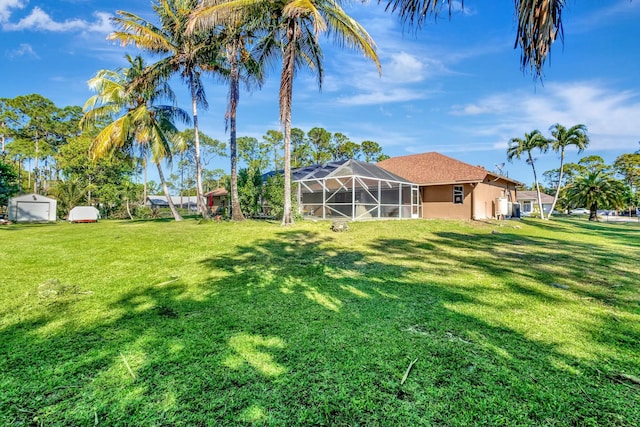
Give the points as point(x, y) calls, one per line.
point(84, 214)
point(32, 208)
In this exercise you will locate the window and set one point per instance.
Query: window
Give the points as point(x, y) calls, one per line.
point(458, 194)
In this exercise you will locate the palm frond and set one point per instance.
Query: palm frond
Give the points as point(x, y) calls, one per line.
point(416, 11)
point(141, 33)
point(348, 32)
point(539, 24)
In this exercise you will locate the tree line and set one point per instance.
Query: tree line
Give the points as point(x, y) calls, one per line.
point(588, 183)
point(44, 151)
point(134, 113)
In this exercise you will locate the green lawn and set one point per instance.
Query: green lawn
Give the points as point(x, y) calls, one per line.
point(187, 324)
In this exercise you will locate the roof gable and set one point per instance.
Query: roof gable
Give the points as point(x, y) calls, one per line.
point(434, 168)
point(32, 197)
point(531, 195)
point(217, 192)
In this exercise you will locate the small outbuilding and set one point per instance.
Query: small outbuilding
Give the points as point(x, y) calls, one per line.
point(84, 214)
point(32, 208)
point(217, 200)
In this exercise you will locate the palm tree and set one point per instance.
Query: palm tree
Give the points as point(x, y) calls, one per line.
point(539, 24)
point(69, 194)
point(239, 66)
point(296, 34)
point(519, 146)
point(187, 53)
point(292, 30)
point(594, 190)
point(562, 138)
point(128, 98)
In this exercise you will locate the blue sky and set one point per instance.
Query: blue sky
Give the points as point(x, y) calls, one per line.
point(454, 86)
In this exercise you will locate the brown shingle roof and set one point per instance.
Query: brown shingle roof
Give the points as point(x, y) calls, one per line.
point(433, 168)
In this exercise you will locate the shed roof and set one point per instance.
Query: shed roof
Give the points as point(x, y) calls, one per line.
point(217, 192)
point(345, 168)
point(435, 168)
point(32, 198)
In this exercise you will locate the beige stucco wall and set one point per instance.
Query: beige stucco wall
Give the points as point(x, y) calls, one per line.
point(437, 202)
point(485, 195)
point(479, 200)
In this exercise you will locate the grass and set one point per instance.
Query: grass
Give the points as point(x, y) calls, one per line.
point(188, 324)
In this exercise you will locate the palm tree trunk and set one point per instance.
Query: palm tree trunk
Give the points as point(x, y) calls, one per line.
point(555, 198)
point(234, 96)
point(144, 191)
point(174, 211)
point(202, 209)
point(129, 210)
point(286, 95)
point(535, 179)
point(35, 168)
point(4, 153)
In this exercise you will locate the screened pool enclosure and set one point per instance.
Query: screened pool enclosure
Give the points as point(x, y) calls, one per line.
point(355, 190)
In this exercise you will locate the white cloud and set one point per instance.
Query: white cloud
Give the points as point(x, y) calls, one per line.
point(609, 15)
point(382, 96)
point(24, 49)
point(402, 74)
point(102, 24)
point(610, 116)
point(405, 68)
point(38, 19)
point(7, 5)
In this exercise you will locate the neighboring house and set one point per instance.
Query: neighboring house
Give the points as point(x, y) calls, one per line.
point(183, 202)
point(217, 200)
point(354, 190)
point(452, 189)
point(32, 208)
point(529, 202)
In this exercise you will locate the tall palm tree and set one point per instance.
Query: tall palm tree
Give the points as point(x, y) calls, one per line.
point(239, 66)
point(188, 54)
point(128, 98)
point(520, 146)
point(562, 138)
point(594, 190)
point(292, 31)
point(539, 23)
point(295, 36)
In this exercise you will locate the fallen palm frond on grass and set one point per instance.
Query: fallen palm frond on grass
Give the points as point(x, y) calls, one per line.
point(188, 324)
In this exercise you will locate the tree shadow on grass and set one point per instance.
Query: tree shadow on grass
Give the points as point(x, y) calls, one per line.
point(298, 329)
point(619, 233)
point(580, 268)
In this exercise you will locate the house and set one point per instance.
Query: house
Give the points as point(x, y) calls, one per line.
point(453, 189)
point(217, 200)
point(354, 190)
point(183, 202)
point(32, 208)
point(529, 202)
